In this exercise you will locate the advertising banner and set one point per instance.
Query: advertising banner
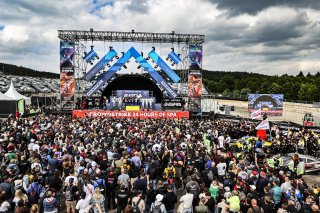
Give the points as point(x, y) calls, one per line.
point(169, 103)
point(163, 65)
point(67, 76)
point(128, 114)
point(21, 106)
point(270, 104)
point(194, 83)
point(100, 65)
point(133, 93)
point(195, 56)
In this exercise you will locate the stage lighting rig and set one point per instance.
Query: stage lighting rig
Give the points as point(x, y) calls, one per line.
point(172, 48)
point(156, 66)
point(154, 49)
point(139, 67)
point(108, 65)
point(122, 54)
point(110, 48)
point(147, 58)
point(117, 57)
point(124, 66)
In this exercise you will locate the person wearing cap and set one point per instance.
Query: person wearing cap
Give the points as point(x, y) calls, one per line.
point(157, 204)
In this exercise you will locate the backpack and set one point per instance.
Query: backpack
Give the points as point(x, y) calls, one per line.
point(68, 194)
point(156, 209)
point(99, 183)
point(254, 210)
point(135, 207)
point(33, 196)
point(210, 175)
point(170, 174)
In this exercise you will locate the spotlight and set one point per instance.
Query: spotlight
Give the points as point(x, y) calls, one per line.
point(122, 54)
point(167, 58)
point(156, 66)
point(111, 60)
point(91, 62)
point(173, 64)
point(117, 57)
point(110, 48)
point(109, 65)
point(147, 58)
point(142, 54)
point(172, 48)
point(97, 57)
point(154, 49)
point(139, 67)
point(92, 47)
point(124, 66)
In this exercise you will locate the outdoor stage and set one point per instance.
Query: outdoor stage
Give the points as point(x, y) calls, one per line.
point(130, 114)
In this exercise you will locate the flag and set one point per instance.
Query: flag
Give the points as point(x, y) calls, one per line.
point(256, 114)
point(263, 125)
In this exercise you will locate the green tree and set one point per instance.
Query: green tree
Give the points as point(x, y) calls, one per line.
point(226, 92)
point(245, 91)
point(308, 92)
point(300, 74)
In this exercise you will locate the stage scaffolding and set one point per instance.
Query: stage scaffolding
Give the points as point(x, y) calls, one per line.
point(81, 36)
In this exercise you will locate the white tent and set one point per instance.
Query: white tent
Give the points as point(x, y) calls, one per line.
point(4, 97)
point(14, 95)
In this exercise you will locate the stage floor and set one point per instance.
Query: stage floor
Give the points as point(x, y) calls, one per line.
point(130, 114)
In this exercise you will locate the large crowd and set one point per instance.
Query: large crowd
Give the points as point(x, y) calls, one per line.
point(58, 163)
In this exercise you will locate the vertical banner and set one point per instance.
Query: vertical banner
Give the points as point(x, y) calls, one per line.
point(21, 104)
point(195, 78)
point(67, 76)
point(195, 56)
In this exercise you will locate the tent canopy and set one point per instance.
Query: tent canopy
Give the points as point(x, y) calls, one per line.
point(4, 97)
point(15, 95)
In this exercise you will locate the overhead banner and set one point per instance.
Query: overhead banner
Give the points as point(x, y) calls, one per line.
point(195, 56)
point(128, 114)
point(270, 104)
point(67, 76)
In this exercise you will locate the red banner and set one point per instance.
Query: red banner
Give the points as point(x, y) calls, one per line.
point(128, 114)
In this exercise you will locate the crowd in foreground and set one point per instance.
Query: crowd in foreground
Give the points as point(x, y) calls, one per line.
point(62, 164)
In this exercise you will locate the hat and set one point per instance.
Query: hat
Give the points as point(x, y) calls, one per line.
point(159, 197)
point(262, 174)
point(254, 172)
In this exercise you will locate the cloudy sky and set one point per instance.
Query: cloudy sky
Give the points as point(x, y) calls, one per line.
point(265, 36)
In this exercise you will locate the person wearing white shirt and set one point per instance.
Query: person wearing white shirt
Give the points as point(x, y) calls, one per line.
point(75, 180)
point(221, 141)
point(227, 141)
point(187, 201)
point(221, 166)
point(83, 203)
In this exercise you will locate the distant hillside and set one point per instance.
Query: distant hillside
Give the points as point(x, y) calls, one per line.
point(10, 69)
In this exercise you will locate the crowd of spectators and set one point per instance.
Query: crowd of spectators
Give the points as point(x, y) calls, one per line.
point(58, 163)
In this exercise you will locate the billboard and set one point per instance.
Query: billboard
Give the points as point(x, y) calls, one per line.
point(270, 104)
point(195, 56)
point(195, 83)
point(131, 114)
point(172, 103)
point(133, 93)
point(67, 75)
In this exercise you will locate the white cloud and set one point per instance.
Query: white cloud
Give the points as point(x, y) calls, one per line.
point(276, 39)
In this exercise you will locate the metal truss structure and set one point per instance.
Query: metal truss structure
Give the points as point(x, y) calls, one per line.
point(79, 36)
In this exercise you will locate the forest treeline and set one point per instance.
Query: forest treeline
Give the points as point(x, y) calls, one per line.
point(239, 84)
point(11, 69)
point(233, 84)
